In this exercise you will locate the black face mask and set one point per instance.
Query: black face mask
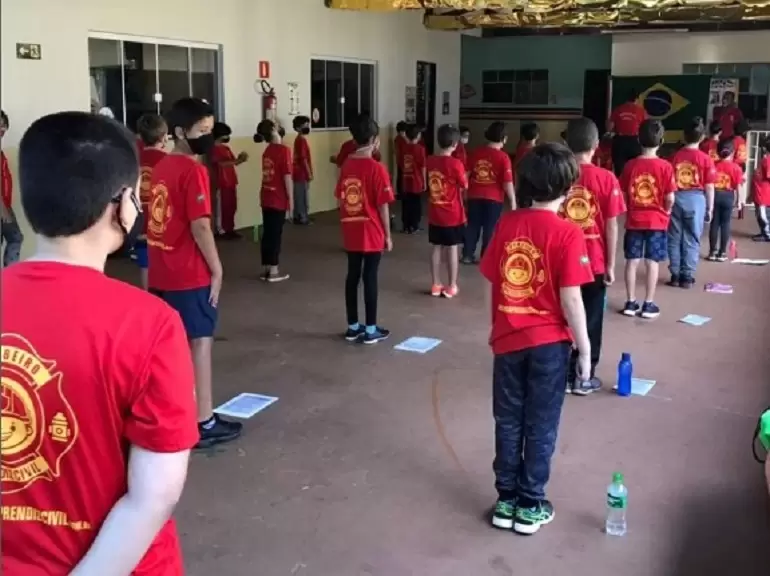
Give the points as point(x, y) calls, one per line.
point(305, 131)
point(226, 140)
point(132, 235)
point(202, 144)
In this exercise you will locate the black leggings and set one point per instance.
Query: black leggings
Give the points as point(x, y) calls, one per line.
point(411, 211)
point(721, 221)
point(272, 232)
point(366, 265)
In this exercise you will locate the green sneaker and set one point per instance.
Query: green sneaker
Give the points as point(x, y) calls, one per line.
point(503, 515)
point(529, 520)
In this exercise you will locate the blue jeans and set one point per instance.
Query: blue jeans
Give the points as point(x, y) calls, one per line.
point(528, 393)
point(684, 232)
point(13, 238)
point(482, 219)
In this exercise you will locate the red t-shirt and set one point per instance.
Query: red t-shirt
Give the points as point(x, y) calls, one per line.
point(227, 176)
point(349, 147)
point(446, 181)
point(96, 365)
point(148, 159)
point(709, 146)
point(728, 117)
point(532, 255)
point(302, 160)
point(627, 118)
point(398, 144)
point(603, 156)
point(761, 182)
point(363, 186)
point(461, 153)
point(592, 201)
point(490, 169)
point(693, 169)
point(180, 195)
point(646, 183)
point(521, 150)
point(6, 181)
point(728, 176)
point(276, 165)
point(741, 151)
point(413, 167)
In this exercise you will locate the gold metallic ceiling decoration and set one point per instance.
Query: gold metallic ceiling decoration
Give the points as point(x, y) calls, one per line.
point(467, 14)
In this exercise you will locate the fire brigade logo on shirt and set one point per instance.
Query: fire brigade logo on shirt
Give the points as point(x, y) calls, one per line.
point(723, 181)
point(352, 197)
point(408, 163)
point(644, 190)
point(687, 176)
point(38, 426)
point(268, 170)
point(160, 210)
point(740, 154)
point(580, 207)
point(483, 173)
point(145, 186)
point(436, 187)
point(522, 270)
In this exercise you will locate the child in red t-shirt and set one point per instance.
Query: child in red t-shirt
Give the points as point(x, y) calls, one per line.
point(153, 134)
point(648, 182)
point(603, 156)
point(461, 152)
point(729, 178)
point(398, 150)
point(593, 203)
point(276, 198)
point(529, 133)
point(413, 176)
point(303, 171)
point(761, 192)
point(709, 145)
point(11, 233)
point(536, 263)
point(447, 181)
point(224, 163)
point(364, 192)
point(693, 205)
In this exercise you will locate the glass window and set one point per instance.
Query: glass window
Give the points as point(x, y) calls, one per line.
point(141, 81)
point(105, 60)
point(340, 90)
point(204, 75)
point(174, 78)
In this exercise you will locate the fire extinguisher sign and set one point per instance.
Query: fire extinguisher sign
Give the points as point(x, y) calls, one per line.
point(264, 69)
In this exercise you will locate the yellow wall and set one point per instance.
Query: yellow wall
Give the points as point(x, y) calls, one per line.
point(322, 146)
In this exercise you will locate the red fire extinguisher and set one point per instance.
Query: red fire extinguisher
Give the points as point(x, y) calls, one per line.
point(269, 102)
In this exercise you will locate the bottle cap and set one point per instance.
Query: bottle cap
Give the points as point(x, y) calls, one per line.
point(626, 356)
point(617, 478)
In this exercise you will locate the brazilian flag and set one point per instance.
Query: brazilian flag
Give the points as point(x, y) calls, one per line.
point(674, 100)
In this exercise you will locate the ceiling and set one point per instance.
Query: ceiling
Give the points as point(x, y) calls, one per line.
point(565, 16)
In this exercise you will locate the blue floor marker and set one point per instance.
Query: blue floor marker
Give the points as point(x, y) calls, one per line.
point(641, 387)
point(418, 344)
point(695, 320)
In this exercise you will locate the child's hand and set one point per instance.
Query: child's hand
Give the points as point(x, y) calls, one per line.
point(243, 156)
point(388, 244)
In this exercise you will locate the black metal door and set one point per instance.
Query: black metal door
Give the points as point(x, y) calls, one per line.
point(596, 86)
point(426, 101)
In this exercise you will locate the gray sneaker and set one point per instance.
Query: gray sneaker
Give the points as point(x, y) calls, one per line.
point(587, 387)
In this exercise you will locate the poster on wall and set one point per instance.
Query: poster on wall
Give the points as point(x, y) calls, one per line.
point(410, 108)
point(718, 89)
point(445, 103)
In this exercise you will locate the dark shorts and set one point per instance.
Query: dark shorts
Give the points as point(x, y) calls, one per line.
point(647, 244)
point(198, 315)
point(446, 235)
point(140, 250)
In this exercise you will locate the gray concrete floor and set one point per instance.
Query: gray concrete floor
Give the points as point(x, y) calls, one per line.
point(378, 463)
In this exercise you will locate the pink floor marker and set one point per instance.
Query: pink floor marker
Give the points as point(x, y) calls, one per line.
point(717, 288)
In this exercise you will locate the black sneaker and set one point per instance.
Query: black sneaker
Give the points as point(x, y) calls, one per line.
point(528, 521)
point(712, 257)
point(503, 515)
point(650, 311)
point(355, 335)
point(674, 281)
point(760, 238)
point(631, 308)
point(721, 257)
point(587, 387)
point(378, 335)
point(222, 431)
point(686, 283)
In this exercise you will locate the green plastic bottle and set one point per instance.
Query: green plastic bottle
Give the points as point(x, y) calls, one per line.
point(764, 430)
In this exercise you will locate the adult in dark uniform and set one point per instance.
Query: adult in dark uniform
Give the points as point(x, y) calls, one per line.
point(624, 123)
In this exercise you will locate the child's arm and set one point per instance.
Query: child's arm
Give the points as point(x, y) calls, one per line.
point(575, 312)
point(611, 231)
point(288, 182)
point(510, 192)
point(668, 202)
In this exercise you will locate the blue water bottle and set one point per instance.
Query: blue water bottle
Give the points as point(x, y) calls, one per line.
point(625, 373)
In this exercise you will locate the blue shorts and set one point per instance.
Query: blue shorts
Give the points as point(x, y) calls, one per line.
point(647, 244)
point(140, 250)
point(198, 315)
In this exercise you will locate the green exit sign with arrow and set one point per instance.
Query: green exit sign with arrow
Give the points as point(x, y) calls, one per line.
point(28, 51)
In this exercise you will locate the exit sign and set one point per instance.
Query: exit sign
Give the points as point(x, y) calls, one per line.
point(28, 51)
